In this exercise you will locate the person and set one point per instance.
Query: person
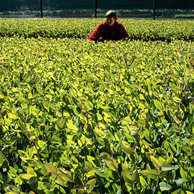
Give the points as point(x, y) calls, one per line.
point(111, 29)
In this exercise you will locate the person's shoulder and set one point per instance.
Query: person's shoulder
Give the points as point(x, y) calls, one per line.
point(102, 24)
point(119, 23)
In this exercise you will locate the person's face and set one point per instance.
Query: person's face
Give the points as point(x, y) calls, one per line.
point(110, 21)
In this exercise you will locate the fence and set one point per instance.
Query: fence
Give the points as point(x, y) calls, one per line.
point(92, 8)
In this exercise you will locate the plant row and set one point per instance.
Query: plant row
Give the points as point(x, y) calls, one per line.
point(73, 28)
point(100, 12)
point(80, 117)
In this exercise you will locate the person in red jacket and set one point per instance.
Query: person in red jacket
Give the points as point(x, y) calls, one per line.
point(111, 29)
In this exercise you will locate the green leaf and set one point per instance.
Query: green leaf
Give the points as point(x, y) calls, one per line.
point(99, 117)
point(127, 175)
point(88, 166)
point(12, 172)
point(143, 181)
point(89, 105)
point(155, 162)
point(105, 156)
point(109, 172)
point(189, 192)
point(3, 161)
point(164, 186)
point(119, 192)
point(41, 185)
point(58, 114)
point(10, 188)
point(71, 126)
point(187, 149)
point(90, 185)
point(151, 173)
point(161, 151)
point(169, 159)
point(61, 122)
point(2, 178)
point(184, 174)
point(29, 177)
point(80, 191)
point(51, 169)
point(158, 105)
point(133, 128)
point(179, 182)
point(91, 173)
point(134, 133)
point(61, 180)
point(42, 144)
point(18, 180)
point(31, 171)
point(166, 133)
point(176, 99)
point(167, 167)
point(127, 148)
point(110, 165)
point(73, 191)
point(100, 172)
point(178, 191)
point(147, 134)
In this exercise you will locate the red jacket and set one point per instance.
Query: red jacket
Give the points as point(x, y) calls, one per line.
point(115, 32)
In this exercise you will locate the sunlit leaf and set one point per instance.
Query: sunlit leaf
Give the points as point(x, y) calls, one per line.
point(164, 186)
point(3, 161)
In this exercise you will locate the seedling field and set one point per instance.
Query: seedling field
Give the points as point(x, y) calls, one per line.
point(83, 117)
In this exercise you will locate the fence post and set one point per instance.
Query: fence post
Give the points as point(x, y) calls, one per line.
point(41, 9)
point(154, 10)
point(95, 8)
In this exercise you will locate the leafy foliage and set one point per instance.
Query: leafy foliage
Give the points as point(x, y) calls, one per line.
point(72, 28)
point(80, 117)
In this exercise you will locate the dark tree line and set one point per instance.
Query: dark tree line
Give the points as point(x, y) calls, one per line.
point(15, 5)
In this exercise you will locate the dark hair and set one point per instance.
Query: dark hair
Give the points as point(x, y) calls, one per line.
point(111, 13)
